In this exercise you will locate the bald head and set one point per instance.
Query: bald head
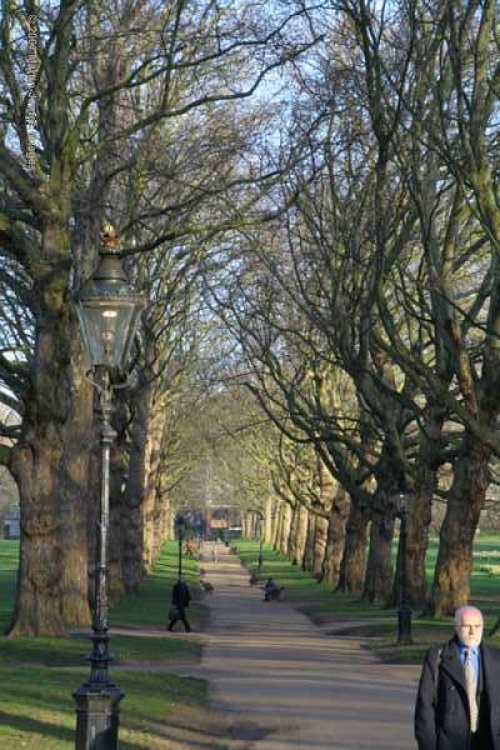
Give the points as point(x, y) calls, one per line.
point(469, 625)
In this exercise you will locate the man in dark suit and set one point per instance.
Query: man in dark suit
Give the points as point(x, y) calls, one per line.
point(180, 601)
point(458, 700)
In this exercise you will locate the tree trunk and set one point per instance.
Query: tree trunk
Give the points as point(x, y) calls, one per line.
point(132, 520)
point(327, 486)
point(311, 533)
point(118, 473)
point(379, 570)
point(285, 534)
point(51, 469)
point(320, 539)
point(417, 540)
point(270, 511)
point(352, 569)
point(451, 586)
point(162, 515)
point(302, 527)
point(150, 510)
point(420, 510)
point(279, 525)
point(292, 542)
point(336, 537)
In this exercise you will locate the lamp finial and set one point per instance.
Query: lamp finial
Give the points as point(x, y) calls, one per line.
point(109, 236)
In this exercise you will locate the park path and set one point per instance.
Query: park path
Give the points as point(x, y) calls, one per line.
point(287, 684)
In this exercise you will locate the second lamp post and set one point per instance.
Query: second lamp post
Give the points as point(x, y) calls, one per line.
point(404, 611)
point(180, 526)
point(261, 539)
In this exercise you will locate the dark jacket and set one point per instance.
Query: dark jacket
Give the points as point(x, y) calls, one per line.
point(180, 595)
point(442, 718)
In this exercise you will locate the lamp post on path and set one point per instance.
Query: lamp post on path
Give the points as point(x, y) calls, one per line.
point(109, 312)
point(261, 553)
point(404, 610)
point(180, 526)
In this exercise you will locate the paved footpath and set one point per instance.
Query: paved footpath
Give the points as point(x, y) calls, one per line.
point(291, 686)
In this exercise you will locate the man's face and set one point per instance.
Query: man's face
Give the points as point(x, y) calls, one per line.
point(470, 629)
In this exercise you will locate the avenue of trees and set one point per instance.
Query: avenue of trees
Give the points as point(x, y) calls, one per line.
point(307, 195)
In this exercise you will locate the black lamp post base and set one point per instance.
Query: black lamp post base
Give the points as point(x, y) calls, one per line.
point(404, 627)
point(97, 716)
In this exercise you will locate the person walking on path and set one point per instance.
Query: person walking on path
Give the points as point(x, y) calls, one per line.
point(180, 601)
point(458, 699)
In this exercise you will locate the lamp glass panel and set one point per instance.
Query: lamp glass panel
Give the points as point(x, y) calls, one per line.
point(106, 328)
point(131, 330)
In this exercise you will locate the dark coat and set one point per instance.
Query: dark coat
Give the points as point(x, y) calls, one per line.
point(442, 717)
point(181, 596)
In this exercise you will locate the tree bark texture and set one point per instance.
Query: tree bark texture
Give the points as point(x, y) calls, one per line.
point(451, 586)
point(151, 510)
point(278, 525)
point(292, 542)
point(132, 519)
point(310, 537)
point(320, 540)
point(285, 533)
point(379, 570)
point(336, 538)
point(302, 527)
point(270, 510)
point(118, 472)
point(420, 510)
point(51, 465)
point(352, 568)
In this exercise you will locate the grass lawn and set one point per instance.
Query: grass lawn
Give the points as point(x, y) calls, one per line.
point(37, 712)
point(38, 676)
point(377, 624)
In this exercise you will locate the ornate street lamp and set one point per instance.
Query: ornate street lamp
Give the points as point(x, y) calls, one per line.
point(180, 526)
point(404, 610)
point(109, 312)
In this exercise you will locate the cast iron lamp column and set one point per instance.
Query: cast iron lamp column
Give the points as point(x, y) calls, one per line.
point(109, 312)
point(261, 553)
point(404, 612)
point(180, 526)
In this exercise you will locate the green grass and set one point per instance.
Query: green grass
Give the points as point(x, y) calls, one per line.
point(38, 675)
point(9, 557)
point(73, 652)
point(37, 711)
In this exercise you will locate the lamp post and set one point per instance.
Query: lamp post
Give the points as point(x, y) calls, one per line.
point(109, 312)
point(261, 553)
point(180, 525)
point(404, 611)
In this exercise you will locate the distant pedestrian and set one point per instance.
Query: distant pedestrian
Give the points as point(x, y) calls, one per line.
point(215, 552)
point(190, 548)
point(180, 601)
point(458, 701)
point(271, 590)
